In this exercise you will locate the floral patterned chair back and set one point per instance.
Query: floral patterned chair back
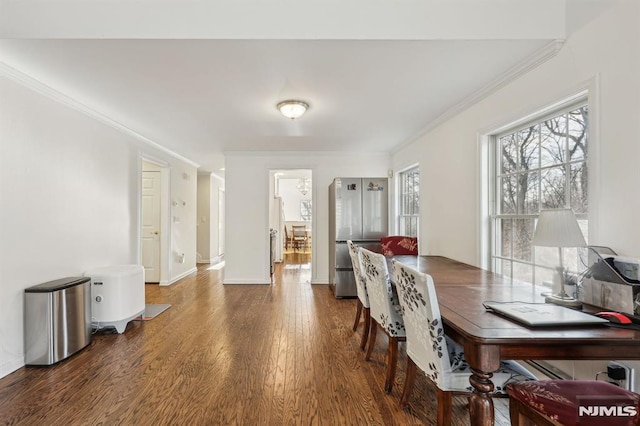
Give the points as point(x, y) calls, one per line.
point(361, 286)
point(381, 298)
point(426, 342)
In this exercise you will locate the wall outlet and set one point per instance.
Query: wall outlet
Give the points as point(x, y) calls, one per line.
point(621, 374)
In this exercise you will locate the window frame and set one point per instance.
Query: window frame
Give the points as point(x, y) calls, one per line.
point(306, 206)
point(495, 190)
point(403, 216)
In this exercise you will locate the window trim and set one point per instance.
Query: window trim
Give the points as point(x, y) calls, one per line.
point(306, 205)
point(399, 199)
point(491, 182)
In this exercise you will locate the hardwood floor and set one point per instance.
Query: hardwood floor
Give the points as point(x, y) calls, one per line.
point(225, 355)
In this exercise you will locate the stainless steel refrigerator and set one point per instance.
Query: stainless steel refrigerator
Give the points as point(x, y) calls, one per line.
point(358, 211)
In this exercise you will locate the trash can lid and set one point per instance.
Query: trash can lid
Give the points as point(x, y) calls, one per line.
point(57, 285)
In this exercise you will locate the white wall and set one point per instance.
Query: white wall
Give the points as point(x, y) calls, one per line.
point(604, 56)
point(204, 219)
point(182, 213)
point(70, 189)
point(217, 222)
point(247, 207)
point(291, 196)
point(208, 227)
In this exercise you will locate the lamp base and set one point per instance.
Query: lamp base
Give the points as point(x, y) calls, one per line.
point(563, 300)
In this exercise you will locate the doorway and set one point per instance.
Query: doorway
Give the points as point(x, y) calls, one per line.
point(154, 228)
point(291, 209)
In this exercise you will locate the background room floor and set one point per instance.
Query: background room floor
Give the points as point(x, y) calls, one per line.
point(291, 250)
point(227, 354)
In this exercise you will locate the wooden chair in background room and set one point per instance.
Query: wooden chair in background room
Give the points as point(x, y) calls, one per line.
point(384, 310)
point(363, 298)
point(287, 238)
point(298, 236)
point(308, 247)
point(441, 359)
point(555, 402)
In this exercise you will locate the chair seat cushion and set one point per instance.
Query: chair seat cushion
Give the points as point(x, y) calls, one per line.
point(399, 245)
point(559, 399)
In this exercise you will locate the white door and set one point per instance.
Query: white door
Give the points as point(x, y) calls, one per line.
point(150, 237)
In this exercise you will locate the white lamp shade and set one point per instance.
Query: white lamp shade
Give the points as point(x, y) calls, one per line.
point(558, 228)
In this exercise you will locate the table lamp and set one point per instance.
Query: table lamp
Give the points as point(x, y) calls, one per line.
point(559, 228)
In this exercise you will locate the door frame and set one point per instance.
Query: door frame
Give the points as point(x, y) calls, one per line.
point(165, 214)
point(271, 171)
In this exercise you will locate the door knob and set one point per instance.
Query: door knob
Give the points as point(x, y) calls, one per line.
point(155, 233)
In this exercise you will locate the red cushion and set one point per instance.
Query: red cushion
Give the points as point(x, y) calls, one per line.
point(398, 245)
point(560, 401)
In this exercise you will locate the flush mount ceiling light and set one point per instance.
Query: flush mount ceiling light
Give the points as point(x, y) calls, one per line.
point(292, 108)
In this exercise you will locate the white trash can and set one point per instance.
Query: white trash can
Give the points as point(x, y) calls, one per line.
point(117, 295)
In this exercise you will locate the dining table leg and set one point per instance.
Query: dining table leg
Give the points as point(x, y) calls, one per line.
point(480, 403)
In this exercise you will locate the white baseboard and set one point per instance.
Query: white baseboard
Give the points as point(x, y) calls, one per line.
point(213, 260)
point(179, 277)
point(246, 282)
point(8, 367)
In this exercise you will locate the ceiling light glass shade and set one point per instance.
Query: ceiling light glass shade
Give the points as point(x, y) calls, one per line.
point(292, 108)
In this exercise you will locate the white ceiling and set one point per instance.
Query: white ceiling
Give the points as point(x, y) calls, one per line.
point(201, 98)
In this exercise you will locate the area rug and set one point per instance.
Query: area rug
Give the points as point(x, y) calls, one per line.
point(153, 310)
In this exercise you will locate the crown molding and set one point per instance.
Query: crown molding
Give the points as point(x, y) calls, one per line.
point(37, 86)
point(532, 61)
point(211, 175)
point(230, 154)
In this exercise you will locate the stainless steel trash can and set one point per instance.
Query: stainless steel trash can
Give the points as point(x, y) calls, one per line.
point(57, 320)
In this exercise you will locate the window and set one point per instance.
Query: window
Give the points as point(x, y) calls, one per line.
point(305, 210)
point(409, 200)
point(541, 165)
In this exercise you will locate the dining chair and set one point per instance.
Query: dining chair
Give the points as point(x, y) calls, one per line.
point(396, 245)
point(298, 236)
point(287, 238)
point(556, 402)
point(362, 304)
point(429, 349)
point(384, 310)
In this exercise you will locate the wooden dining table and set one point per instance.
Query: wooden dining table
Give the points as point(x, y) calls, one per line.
point(489, 338)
